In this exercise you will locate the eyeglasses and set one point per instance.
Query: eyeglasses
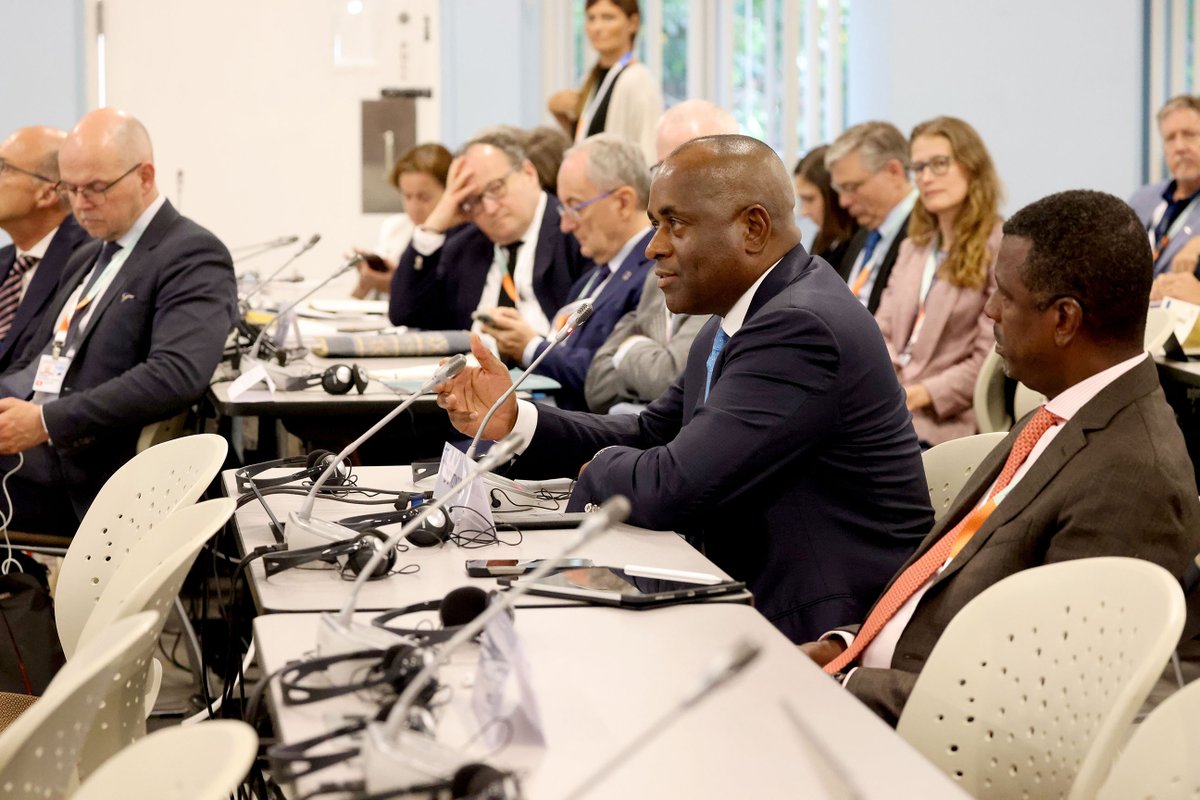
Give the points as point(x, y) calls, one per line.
point(937, 165)
point(5, 166)
point(494, 191)
point(571, 212)
point(853, 186)
point(95, 192)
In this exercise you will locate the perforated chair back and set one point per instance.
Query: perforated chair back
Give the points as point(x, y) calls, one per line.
point(40, 749)
point(950, 464)
point(1160, 763)
point(1033, 685)
point(131, 503)
point(188, 762)
point(148, 579)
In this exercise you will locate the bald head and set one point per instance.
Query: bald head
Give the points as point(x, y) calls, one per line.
point(689, 120)
point(29, 206)
point(108, 164)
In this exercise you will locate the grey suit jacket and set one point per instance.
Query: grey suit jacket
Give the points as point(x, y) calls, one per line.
point(1116, 481)
point(1145, 201)
point(649, 369)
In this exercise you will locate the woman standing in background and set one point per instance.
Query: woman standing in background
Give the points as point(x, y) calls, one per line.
point(620, 95)
point(931, 313)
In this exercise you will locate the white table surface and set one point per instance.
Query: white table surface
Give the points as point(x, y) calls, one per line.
point(603, 675)
point(441, 568)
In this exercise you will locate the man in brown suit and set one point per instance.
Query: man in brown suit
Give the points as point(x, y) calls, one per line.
point(1101, 470)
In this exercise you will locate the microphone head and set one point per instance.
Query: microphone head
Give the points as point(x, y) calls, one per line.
point(453, 366)
point(502, 452)
point(312, 240)
point(576, 319)
point(615, 509)
point(286, 240)
point(462, 605)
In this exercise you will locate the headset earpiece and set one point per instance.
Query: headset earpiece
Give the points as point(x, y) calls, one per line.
point(371, 541)
point(456, 609)
point(435, 530)
point(318, 462)
point(311, 466)
point(341, 378)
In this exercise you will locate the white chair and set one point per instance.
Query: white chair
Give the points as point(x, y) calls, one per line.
point(190, 762)
point(990, 412)
point(149, 579)
point(1025, 401)
point(950, 464)
point(131, 503)
point(1031, 688)
point(39, 751)
point(1160, 763)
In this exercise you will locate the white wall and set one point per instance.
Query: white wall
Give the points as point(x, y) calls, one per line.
point(1053, 86)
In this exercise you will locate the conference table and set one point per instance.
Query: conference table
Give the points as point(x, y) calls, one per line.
point(602, 677)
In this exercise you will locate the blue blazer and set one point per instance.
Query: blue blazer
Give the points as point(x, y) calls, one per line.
point(42, 288)
point(568, 363)
point(800, 475)
point(439, 291)
point(1145, 202)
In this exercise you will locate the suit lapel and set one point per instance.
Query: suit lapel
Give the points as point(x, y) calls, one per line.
point(158, 227)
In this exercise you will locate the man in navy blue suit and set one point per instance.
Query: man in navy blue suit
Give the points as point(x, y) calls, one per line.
point(603, 186)
point(784, 450)
point(43, 232)
point(492, 239)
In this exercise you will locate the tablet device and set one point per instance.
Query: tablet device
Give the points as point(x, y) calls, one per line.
point(614, 587)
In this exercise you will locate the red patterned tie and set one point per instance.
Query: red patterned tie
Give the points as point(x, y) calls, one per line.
point(10, 293)
point(948, 546)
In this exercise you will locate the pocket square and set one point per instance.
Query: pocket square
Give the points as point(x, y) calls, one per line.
point(127, 296)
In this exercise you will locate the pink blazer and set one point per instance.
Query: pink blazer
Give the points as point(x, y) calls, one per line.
point(954, 339)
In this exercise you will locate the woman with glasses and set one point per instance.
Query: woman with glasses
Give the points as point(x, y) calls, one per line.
point(419, 175)
point(619, 95)
point(818, 202)
point(931, 313)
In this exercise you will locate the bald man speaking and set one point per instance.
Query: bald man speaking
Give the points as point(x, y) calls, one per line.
point(132, 336)
point(784, 450)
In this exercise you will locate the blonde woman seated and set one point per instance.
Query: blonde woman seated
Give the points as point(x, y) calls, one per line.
point(931, 313)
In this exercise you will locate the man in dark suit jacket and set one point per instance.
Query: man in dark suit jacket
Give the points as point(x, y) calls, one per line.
point(44, 233)
point(133, 335)
point(604, 185)
point(868, 166)
point(1108, 473)
point(787, 453)
point(493, 239)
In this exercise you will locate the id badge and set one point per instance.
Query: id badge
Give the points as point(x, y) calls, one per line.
point(50, 373)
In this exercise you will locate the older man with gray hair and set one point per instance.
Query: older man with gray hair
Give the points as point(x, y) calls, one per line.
point(603, 187)
point(868, 166)
point(649, 346)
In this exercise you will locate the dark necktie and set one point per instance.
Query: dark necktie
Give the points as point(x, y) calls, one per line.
point(10, 292)
point(865, 272)
point(508, 284)
point(107, 251)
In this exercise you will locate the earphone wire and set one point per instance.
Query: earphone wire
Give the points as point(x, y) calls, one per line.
point(6, 519)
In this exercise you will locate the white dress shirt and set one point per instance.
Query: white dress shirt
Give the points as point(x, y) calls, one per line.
point(38, 251)
point(888, 230)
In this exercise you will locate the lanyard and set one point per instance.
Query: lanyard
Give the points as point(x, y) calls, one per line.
point(585, 119)
point(928, 279)
point(1159, 245)
point(69, 311)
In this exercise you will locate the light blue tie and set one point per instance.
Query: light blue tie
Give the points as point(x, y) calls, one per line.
point(718, 345)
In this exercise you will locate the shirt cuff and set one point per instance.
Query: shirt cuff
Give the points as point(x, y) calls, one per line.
point(526, 425)
point(626, 346)
point(42, 417)
point(845, 636)
point(427, 242)
point(531, 350)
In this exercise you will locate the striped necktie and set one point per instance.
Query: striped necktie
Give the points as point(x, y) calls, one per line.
point(949, 546)
point(10, 292)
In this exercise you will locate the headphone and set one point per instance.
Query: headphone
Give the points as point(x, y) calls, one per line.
point(433, 530)
point(314, 464)
point(456, 609)
point(337, 379)
point(476, 781)
point(358, 551)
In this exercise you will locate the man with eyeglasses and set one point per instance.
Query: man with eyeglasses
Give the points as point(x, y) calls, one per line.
point(133, 335)
point(603, 186)
point(493, 240)
point(648, 348)
point(43, 233)
point(868, 167)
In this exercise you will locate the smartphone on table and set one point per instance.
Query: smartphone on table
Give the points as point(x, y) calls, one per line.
point(496, 567)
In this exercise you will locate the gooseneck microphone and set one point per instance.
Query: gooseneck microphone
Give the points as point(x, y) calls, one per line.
point(284, 242)
point(282, 314)
point(574, 321)
point(723, 670)
point(613, 511)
